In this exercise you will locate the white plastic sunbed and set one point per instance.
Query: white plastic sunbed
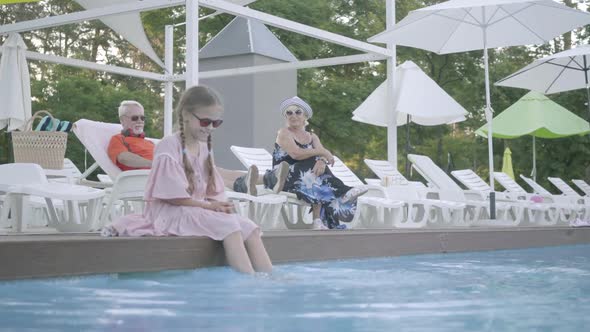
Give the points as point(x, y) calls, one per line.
point(372, 212)
point(478, 207)
point(127, 194)
point(81, 205)
point(419, 208)
point(583, 185)
point(570, 209)
point(546, 213)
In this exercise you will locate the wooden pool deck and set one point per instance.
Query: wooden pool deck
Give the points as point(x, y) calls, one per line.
point(53, 255)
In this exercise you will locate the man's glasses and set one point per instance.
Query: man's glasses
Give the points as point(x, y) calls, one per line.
point(135, 118)
point(207, 122)
point(297, 112)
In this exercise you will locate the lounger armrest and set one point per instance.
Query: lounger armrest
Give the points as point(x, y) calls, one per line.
point(376, 191)
point(94, 184)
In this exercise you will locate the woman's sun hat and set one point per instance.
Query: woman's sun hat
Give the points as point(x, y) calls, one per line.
point(296, 101)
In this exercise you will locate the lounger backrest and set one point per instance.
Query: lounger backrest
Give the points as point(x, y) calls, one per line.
point(345, 174)
point(383, 168)
point(449, 189)
point(563, 187)
point(95, 136)
point(471, 180)
point(536, 187)
point(508, 183)
point(263, 160)
point(253, 156)
point(583, 185)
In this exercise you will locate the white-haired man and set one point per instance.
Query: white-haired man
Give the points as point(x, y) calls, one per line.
point(130, 150)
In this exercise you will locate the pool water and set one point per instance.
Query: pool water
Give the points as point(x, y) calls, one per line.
point(546, 289)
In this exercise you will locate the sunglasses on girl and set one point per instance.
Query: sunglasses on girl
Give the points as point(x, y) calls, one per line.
point(207, 122)
point(297, 112)
point(135, 118)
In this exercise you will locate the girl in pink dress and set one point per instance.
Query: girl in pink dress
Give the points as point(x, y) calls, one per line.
point(185, 193)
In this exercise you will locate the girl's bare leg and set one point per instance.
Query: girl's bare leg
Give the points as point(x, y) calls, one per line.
point(258, 255)
point(236, 254)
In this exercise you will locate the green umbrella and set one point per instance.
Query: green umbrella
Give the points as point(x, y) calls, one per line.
point(538, 116)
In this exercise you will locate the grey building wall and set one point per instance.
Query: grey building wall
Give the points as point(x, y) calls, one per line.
point(251, 103)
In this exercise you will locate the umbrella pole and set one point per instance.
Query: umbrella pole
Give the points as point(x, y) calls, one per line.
point(488, 113)
point(407, 145)
point(587, 86)
point(534, 172)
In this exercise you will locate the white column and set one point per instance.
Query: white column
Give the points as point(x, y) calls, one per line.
point(391, 62)
point(168, 86)
point(192, 43)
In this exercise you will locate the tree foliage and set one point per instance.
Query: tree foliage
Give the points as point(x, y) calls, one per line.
point(334, 92)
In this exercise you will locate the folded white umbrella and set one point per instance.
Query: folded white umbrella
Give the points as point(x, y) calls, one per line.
point(563, 71)
point(129, 26)
point(465, 25)
point(416, 95)
point(15, 85)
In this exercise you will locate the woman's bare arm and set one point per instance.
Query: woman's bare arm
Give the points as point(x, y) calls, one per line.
point(327, 154)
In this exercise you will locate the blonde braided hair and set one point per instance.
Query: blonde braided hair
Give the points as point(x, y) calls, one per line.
point(191, 101)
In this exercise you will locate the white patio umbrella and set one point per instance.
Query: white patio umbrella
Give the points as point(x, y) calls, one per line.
point(417, 98)
point(465, 25)
point(15, 85)
point(563, 71)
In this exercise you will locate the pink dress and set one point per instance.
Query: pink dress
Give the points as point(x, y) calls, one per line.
point(167, 180)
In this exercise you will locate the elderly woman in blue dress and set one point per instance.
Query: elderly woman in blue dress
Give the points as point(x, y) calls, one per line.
point(309, 176)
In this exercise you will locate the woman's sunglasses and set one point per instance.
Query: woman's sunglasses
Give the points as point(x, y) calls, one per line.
point(135, 118)
point(297, 112)
point(207, 122)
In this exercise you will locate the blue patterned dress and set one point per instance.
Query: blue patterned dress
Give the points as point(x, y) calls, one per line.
point(326, 189)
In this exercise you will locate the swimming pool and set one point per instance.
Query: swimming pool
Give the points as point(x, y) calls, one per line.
point(509, 290)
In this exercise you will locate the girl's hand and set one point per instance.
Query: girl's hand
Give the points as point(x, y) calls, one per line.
point(225, 207)
point(319, 168)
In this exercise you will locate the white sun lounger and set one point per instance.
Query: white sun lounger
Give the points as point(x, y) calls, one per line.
point(373, 210)
point(419, 208)
point(478, 207)
point(81, 205)
point(583, 185)
point(547, 213)
point(127, 198)
point(570, 209)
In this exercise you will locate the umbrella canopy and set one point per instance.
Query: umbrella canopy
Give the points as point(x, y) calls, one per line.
point(507, 163)
point(129, 26)
point(15, 85)
point(538, 116)
point(563, 71)
point(465, 25)
point(416, 95)
point(535, 114)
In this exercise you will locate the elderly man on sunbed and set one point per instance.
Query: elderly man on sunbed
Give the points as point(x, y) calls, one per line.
point(129, 149)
